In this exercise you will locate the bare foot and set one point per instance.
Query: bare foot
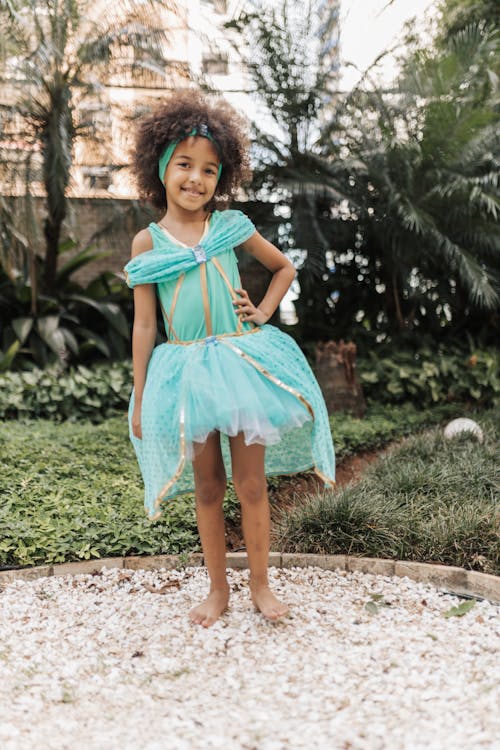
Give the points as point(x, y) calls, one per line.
point(265, 601)
point(211, 608)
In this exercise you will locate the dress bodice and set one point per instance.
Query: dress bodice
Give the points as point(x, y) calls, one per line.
point(199, 303)
point(196, 285)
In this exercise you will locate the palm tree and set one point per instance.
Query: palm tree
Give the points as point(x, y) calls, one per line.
point(56, 53)
point(420, 166)
point(395, 187)
point(456, 15)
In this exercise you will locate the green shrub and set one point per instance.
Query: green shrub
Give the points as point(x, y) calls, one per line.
point(433, 376)
point(78, 393)
point(425, 378)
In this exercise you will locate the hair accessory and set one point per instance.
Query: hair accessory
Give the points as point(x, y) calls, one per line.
point(167, 154)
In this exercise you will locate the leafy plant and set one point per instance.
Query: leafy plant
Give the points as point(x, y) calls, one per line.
point(432, 375)
point(74, 491)
point(79, 393)
point(72, 325)
point(386, 198)
point(419, 164)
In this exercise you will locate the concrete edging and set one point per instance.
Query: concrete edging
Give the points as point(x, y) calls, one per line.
point(447, 577)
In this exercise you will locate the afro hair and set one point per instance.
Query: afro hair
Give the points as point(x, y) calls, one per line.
point(174, 119)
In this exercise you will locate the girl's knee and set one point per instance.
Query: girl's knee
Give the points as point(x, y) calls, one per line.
point(250, 489)
point(211, 490)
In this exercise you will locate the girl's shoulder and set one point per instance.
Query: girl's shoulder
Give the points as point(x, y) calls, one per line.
point(229, 216)
point(142, 242)
point(233, 224)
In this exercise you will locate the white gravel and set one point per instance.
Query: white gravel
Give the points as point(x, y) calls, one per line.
point(99, 661)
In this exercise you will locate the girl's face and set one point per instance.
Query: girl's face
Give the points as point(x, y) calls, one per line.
point(191, 174)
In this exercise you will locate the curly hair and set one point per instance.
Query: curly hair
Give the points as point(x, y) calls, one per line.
point(173, 119)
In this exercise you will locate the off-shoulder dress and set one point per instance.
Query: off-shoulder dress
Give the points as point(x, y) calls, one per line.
point(217, 372)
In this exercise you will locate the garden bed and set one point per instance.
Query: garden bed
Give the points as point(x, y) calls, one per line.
point(73, 491)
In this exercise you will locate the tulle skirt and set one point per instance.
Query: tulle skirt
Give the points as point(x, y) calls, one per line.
point(258, 384)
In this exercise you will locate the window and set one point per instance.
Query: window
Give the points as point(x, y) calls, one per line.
point(214, 64)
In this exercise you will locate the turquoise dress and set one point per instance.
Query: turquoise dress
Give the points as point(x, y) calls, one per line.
point(217, 372)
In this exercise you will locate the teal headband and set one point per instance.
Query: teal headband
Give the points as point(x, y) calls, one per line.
point(167, 154)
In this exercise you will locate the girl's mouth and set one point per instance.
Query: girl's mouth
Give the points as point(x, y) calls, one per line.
point(194, 193)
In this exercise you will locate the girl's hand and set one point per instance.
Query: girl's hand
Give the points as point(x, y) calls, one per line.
point(136, 421)
point(247, 309)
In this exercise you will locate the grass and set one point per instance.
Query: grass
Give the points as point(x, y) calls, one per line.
point(428, 499)
point(73, 491)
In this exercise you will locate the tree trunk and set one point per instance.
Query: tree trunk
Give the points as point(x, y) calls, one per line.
point(392, 302)
point(57, 143)
point(397, 302)
point(337, 377)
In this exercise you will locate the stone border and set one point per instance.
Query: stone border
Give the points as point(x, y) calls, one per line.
point(444, 577)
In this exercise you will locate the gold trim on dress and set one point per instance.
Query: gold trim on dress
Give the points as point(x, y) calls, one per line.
point(324, 478)
point(272, 378)
point(204, 296)
point(217, 336)
point(169, 326)
point(220, 269)
point(174, 303)
point(233, 294)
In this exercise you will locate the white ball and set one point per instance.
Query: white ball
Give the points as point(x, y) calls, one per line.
point(459, 426)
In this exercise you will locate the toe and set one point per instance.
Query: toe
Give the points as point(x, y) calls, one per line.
point(195, 617)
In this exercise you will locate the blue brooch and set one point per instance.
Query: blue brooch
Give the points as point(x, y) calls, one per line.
point(199, 253)
point(211, 340)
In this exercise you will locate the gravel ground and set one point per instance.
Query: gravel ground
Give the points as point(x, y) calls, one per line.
point(102, 661)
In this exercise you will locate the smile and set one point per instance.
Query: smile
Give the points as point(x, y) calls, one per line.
point(194, 193)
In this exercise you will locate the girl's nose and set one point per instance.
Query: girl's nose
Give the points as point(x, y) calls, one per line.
point(195, 175)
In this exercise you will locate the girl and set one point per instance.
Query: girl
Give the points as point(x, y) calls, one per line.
point(223, 373)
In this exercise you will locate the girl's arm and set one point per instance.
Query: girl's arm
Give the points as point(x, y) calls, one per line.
point(283, 274)
point(144, 329)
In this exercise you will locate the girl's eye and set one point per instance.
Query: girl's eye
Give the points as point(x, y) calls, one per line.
point(210, 171)
point(183, 164)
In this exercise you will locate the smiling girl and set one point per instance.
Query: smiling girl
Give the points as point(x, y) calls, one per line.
point(228, 395)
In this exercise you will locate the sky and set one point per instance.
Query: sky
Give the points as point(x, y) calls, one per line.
point(367, 29)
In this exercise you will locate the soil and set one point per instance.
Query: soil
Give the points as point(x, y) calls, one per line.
point(350, 469)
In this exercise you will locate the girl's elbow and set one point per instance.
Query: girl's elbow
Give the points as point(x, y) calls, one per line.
point(290, 270)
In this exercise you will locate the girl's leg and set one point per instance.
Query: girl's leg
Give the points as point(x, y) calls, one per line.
point(210, 487)
point(250, 484)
